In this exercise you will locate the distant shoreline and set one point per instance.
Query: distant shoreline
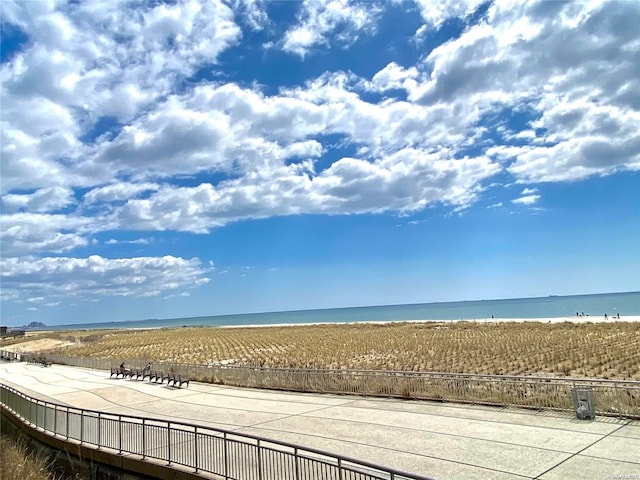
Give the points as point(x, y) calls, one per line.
point(574, 319)
point(585, 319)
point(536, 309)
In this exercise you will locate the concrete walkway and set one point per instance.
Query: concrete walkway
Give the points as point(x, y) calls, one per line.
point(440, 440)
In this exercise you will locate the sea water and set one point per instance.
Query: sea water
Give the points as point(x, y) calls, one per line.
point(543, 307)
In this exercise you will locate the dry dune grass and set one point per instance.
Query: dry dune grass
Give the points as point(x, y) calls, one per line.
point(22, 461)
point(596, 350)
point(17, 462)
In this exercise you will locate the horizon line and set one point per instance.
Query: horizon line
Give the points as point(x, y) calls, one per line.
point(336, 308)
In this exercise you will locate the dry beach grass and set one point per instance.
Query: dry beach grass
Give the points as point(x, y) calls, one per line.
point(17, 463)
point(22, 461)
point(597, 350)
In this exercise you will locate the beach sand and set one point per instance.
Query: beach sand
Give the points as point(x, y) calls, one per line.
point(571, 319)
point(40, 345)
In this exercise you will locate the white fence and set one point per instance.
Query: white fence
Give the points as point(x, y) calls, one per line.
point(611, 397)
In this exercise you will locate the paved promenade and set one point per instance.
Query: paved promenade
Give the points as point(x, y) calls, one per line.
point(440, 440)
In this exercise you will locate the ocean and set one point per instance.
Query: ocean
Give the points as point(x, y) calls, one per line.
point(542, 307)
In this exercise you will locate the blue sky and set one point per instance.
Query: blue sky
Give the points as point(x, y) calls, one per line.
point(184, 158)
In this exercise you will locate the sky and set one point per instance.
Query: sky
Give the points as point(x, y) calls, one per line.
point(190, 158)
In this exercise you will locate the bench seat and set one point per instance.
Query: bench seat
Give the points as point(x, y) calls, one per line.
point(177, 380)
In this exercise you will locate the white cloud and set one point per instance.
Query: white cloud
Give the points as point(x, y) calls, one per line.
point(177, 295)
point(62, 277)
point(210, 129)
point(137, 241)
point(253, 12)
point(389, 125)
point(98, 53)
point(320, 18)
point(118, 192)
point(43, 200)
point(30, 154)
point(250, 137)
point(405, 181)
point(574, 65)
point(528, 196)
point(394, 76)
point(88, 61)
point(24, 233)
point(436, 13)
point(67, 79)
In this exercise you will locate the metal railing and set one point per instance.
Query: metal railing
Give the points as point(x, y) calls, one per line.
point(227, 454)
point(611, 397)
point(10, 356)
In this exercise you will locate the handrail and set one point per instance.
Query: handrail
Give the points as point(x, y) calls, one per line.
point(191, 445)
point(409, 373)
point(354, 371)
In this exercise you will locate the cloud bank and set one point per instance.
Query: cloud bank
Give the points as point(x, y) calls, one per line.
point(110, 125)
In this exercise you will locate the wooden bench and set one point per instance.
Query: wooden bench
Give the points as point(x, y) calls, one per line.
point(153, 375)
point(119, 371)
point(177, 380)
point(42, 361)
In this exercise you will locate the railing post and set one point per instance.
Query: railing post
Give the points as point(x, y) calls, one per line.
point(226, 456)
point(169, 442)
point(195, 446)
point(99, 431)
point(44, 426)
point(55, 420)
point(81, 426)
point(259, 460)
point(119, 434)
point(618, 400)
point(67, 435)
point(295, 454)
point(144, 441)
point(339, 468)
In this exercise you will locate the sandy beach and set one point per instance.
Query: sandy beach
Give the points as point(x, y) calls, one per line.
point(572, 319)
point(39, 345)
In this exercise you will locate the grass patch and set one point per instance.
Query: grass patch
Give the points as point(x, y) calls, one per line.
point(595, 350)
point(18, 462)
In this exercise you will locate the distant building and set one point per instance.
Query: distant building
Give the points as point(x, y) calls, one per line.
point(14, 332)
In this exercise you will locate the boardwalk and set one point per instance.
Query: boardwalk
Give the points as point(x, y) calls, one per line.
point(444, 441)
